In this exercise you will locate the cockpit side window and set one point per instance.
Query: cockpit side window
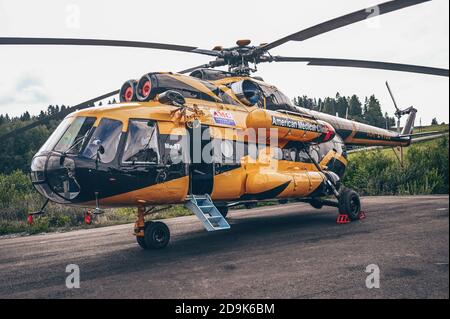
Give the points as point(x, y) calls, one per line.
point(107, 135)
point(142, 143)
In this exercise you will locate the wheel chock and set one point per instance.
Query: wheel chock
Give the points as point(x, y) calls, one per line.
point(88, 218)
point(362, 215)
point(343, 219)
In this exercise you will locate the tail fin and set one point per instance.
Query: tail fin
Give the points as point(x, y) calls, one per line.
point(410, 121)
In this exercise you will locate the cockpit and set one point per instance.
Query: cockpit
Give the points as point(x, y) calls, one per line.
point(62, 169)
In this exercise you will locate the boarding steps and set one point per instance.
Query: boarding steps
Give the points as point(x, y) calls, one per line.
point(204, 208)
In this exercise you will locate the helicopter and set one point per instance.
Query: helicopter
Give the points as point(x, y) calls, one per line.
point(208, 139)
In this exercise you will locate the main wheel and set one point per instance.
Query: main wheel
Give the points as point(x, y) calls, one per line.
point(157, 235)
point(223, 210)
point(349, 203)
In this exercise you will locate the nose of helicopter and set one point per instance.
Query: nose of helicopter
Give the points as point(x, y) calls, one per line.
point(54, 177)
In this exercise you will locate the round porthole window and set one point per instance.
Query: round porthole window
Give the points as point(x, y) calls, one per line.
point(227, 149)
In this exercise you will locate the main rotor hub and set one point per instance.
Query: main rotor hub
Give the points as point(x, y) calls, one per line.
point(242, 59)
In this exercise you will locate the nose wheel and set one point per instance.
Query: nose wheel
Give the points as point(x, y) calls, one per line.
point(150, 235)
point(156, 236)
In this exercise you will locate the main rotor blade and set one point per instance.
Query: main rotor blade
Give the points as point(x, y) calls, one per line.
point(56, 116)
point(366, 65)
point(109, 43)
point(392, 96)
point(344, 21)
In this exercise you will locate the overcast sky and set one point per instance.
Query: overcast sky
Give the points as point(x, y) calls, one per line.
point(33, 77)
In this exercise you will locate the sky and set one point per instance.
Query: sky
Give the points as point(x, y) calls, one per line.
point(34, 77)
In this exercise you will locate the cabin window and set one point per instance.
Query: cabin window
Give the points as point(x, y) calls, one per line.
point(278, 154)
point(107, 135)
point(303, 156)
point(142, 143)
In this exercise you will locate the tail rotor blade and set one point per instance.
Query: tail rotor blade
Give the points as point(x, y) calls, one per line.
point(392, 96)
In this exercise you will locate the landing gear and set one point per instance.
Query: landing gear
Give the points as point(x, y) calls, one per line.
point(150, 235)
point(349, 204)
point(156, 236)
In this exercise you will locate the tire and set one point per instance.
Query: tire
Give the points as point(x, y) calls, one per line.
point(349, 203)
point(157, 235)
point(141, 240)
point(223, 210)
point(316, 203)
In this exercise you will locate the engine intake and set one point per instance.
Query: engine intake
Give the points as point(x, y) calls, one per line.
point(146, 88)
point(128, 91)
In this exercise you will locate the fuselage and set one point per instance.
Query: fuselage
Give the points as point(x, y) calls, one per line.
point(151, 153)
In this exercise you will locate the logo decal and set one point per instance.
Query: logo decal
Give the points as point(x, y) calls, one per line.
point(296, 124)
point(223, 117)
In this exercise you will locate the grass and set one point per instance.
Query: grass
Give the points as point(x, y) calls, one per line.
point(389, 152)
point(378, 172)
point(431, 128)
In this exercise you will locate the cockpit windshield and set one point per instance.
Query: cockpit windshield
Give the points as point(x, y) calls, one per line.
point(73, 138)
point(69, 135)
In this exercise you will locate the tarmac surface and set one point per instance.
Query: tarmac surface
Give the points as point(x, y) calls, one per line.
point(289, 251)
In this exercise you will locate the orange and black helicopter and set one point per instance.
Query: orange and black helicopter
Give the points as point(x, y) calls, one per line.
point(210, 140)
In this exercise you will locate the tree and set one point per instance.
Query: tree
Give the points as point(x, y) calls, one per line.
point(25, 117)
point(434, 122)
point(341, 105)
point(373, 115)
point(390, 121)
point(355, 110)
point(329, 106)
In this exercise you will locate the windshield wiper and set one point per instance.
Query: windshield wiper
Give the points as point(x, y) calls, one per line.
point(77, 142)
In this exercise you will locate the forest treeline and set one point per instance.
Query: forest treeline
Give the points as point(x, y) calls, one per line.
point(369, 112)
